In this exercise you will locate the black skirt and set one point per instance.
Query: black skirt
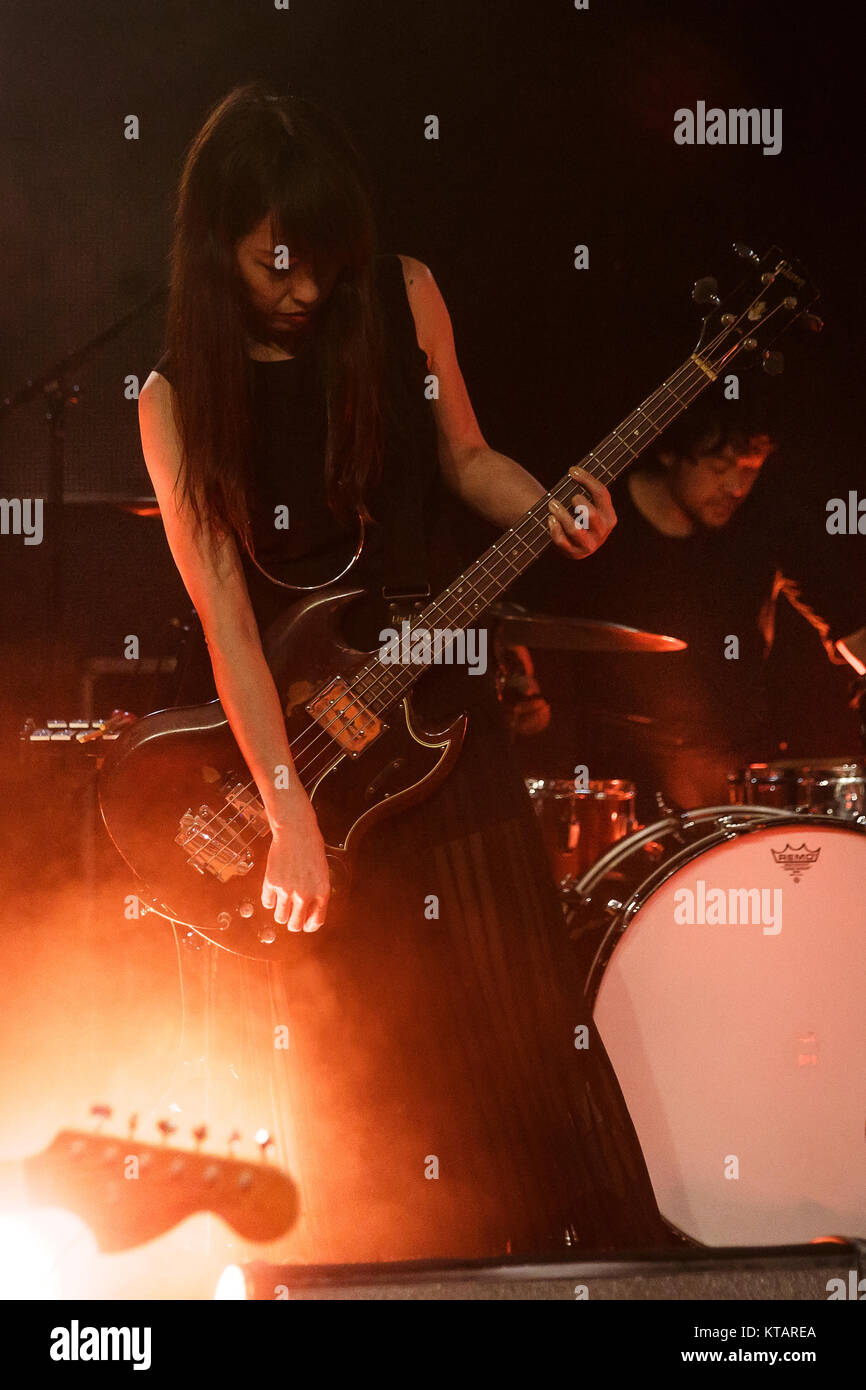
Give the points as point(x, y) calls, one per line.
point(442, 1108)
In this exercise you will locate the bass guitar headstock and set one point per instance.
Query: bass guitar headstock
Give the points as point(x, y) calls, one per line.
point(776, 293)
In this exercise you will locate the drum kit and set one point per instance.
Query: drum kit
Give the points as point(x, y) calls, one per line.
point(723, 958)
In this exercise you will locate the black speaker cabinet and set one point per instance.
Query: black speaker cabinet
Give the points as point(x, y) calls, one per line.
point(800, 1272)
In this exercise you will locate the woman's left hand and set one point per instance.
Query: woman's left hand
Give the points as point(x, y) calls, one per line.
point(582, 535)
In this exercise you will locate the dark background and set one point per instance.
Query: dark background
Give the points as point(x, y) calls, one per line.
point(556, 129)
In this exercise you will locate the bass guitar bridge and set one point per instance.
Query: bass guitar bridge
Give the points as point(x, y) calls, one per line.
point(216, 843)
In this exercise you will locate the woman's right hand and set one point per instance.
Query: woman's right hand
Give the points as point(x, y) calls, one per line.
point(296, 883)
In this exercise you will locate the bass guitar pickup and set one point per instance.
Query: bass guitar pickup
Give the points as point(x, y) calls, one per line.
point(337, 710)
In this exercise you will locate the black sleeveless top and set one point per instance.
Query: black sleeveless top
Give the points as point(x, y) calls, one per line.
point(287, 480)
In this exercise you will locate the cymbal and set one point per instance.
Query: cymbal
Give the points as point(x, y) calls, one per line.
point(520, 628)
point(138, 506)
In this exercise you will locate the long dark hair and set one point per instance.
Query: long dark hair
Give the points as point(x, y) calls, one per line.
point(260, 154)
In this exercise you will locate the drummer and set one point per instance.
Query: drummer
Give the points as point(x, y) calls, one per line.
point(704, 545)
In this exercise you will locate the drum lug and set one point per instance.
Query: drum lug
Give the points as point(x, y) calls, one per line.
point(733, 825)
point(731, 831)
point(584, 910)
point(672, 810)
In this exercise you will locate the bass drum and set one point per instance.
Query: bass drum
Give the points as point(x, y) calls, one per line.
point(725, 963)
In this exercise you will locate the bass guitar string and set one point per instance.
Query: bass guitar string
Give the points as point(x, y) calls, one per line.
point(304, 764)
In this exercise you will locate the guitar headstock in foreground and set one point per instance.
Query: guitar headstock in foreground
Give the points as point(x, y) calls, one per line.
point(129, 1192)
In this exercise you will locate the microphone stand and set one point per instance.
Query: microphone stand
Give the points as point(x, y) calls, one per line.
point(56, 386)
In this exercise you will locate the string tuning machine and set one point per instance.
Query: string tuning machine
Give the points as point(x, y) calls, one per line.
point(705, 292)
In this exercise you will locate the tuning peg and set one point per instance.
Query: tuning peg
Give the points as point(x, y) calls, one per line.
point(199, 1134)
point(704, 291)
point(813, 322)
point(746, 253)
point(166, 1128)
point(264, 1141)
point(773, 363)
point(101, 1112)
point(234, 1138)
point(132, 1125)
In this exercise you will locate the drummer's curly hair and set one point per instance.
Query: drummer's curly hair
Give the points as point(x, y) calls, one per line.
point(716, 423)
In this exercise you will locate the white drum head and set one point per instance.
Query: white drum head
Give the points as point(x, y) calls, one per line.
point(740, 1046)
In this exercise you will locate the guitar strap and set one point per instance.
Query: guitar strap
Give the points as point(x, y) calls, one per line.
point(409, 464)
point(404, 542)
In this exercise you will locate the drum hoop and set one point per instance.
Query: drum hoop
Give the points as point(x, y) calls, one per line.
point(650, 832)
point(563, 789)
point(647, 887)
point(784, 767)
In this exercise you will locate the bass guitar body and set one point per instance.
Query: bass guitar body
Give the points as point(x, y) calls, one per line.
point(180, 805)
